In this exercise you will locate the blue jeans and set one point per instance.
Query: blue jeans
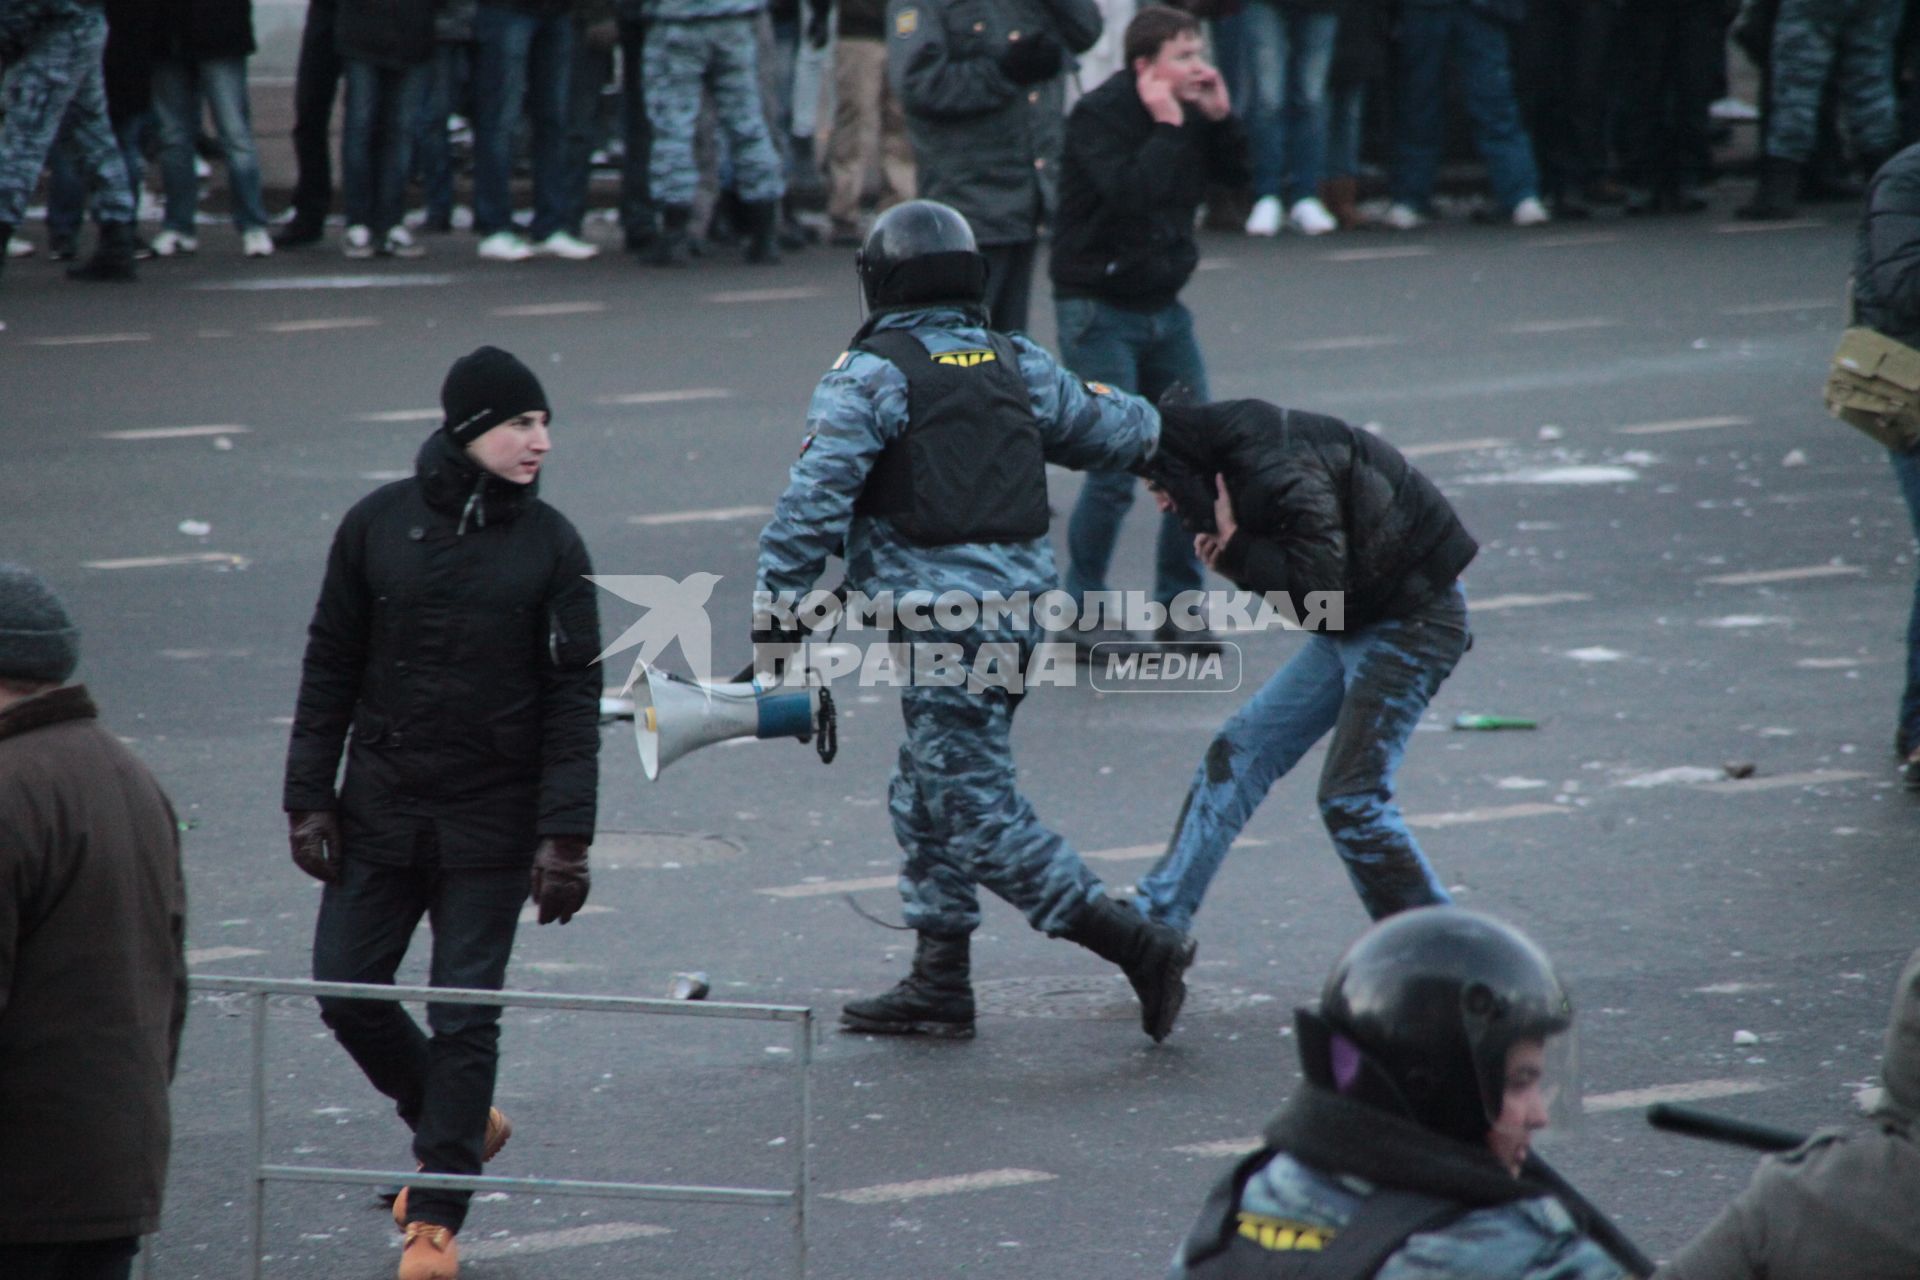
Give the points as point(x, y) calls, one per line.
point(1144, 352)
point(1370, 686)
point(179, 89)
point(521, 60)
point(376, 140)
point(1288, 53)
point(1476, 46)
point(1346, 116)
point(68, 179)
point(1906, 466)
point(432, 104)
point(1230, 52)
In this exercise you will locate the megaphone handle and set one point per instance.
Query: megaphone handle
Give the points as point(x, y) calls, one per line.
point(827, 722)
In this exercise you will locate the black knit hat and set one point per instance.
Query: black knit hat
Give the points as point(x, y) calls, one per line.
point(483, 390)
point(38, 641)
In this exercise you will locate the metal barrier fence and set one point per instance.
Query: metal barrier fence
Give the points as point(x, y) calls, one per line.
point(258, 989)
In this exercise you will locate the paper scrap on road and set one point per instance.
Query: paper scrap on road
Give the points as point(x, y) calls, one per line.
point(894, 1192)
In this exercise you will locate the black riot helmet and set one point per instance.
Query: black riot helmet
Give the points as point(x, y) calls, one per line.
point(1429, 1002)
point(921, 253)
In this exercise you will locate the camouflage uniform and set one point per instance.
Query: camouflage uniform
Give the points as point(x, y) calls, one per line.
point(1849, 40)
point(956, 812)
point(711, 44)
point(54, 89)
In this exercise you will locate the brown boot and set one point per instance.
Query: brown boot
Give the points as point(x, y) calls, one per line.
point(1342, 198)
point(499, 1129)
point(430, 1253)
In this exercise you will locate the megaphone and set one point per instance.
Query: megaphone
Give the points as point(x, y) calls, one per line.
point(673, 716)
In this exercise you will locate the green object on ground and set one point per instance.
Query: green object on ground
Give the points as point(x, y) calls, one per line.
point(1493, 722)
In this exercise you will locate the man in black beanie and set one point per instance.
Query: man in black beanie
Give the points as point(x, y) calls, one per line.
point(93, 975)
point(455, 636)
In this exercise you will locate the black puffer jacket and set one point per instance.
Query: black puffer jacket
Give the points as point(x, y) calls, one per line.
point(202, 30)
point(1129, 187)
point(1886, 257)
point(393, 34)
point(455, 634)
point(1322, 507)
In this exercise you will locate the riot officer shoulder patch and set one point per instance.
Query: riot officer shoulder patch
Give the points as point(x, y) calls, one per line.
point(846, 357)
point(964, 359)
point(906, 22)
point(1100, 388)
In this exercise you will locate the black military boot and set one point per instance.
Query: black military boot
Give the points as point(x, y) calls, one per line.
point(112, 257)
point(935, 999)
point(6, 238)
point(1155, 957)
point(762, 218)
point(1773, 198)
point(673, 247)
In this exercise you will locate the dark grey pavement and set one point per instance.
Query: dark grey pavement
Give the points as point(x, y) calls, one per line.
point(1627, 415)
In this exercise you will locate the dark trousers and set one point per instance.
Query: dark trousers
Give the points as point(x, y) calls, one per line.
point(592, 68)
point(84, 1260)
point(636, 199)
point(1009, 284)
point(316, 79)
point(1671, 52)
point(441, 1084)
point(1561, 66)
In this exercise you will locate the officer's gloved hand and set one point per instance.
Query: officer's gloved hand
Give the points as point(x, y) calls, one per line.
point(560, 879)
point(314, 835)
point(773, 648)
point(1032, 58)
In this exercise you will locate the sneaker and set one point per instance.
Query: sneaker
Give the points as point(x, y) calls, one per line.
point(562, 245)
point(20, 249)
point(429, 1253)
point(170, 243)
point(1403, 217)
point(358, 242)
point(256, 242)
point(297, 232)
point(1265, 218)
point(399, 244)
point(1531, 213)
point(504, 246)
point(1311, 218)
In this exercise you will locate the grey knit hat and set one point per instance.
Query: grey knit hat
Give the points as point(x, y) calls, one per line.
point(38, 641)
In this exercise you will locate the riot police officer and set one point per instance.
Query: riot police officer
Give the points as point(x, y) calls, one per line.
point(924, 466)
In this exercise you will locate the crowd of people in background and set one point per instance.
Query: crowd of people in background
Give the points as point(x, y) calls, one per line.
point(745, 120)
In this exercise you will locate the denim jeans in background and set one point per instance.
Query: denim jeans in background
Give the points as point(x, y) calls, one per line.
point(179, 89)
point(592, 69)
point(1144, 352)
point(433, 102)
point(521, 61)
point(1370, 686)
point(1475, 47)
point(441, 1084)
point(68, 181)
point(1906, 466)
point(376, 142)
point(1230, 55)
point(1288, 52)
point(1346, 118)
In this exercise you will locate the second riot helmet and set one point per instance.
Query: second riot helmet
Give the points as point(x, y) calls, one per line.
point(921, 252)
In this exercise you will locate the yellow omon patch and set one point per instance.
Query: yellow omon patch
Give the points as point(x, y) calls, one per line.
point(964, 359)
point(1281, 1236)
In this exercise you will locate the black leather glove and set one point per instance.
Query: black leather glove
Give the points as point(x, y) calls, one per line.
point(314, 835)
point(560, 879)
point(1031, 59)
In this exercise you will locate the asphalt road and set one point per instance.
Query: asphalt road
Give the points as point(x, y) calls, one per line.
point(1684, 564)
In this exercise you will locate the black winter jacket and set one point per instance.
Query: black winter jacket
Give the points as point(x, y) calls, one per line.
point(456, 634)
point(1129, 187)
point(393, 34)
point(1886, 256)
point(202, 30)
point(1322, 507)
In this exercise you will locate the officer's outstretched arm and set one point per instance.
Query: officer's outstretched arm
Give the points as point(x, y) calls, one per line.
point(1088, 426)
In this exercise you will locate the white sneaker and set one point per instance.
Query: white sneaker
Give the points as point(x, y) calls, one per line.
point(1403, 217)
point(256, 243)
point(1265, 218)
point(17, 248)
point(562, 245)
point(358, 242)
point(400, 244)
point(170, 243)
point(504, 246)
point(1531, 213)
point(1309, 217)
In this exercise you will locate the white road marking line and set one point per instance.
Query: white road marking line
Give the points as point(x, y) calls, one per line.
point(1452, 446)
point(266, 284)
point(1214, 264)
point(1574, 325)
point(207, 955)
point(1760, 228)
point(89, 339)
point(1758, 576)
point(666, 397)
point(1379, 255)
point(1569, 241)
point(1828, 664)
point(566, 1238)
point(820, 888)
point(1769, 308)
point(1671, 425)
point(1493, 604)
point(1359, 342)
point(693, 517)
point(1136, 852)
point(400, 415)
point(322, 325)
point(162, 562)
point(176, 433)
point(550, 309)
point(1732, 988)
point(1499, 813)
point(384, 476)
point(1222, 1147)
point(894, 1192)
point(531, 915)
point(1695, 1091)
point(793, 294)
point(1812, 778)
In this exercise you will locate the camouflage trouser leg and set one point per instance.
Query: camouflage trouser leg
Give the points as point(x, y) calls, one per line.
point(56, 91)
point(759, 174)
point(1849, 39)
point(961, 822)
point(673, 69)
point(717, 55)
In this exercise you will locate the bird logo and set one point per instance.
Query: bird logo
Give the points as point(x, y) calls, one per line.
point(676, 610)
